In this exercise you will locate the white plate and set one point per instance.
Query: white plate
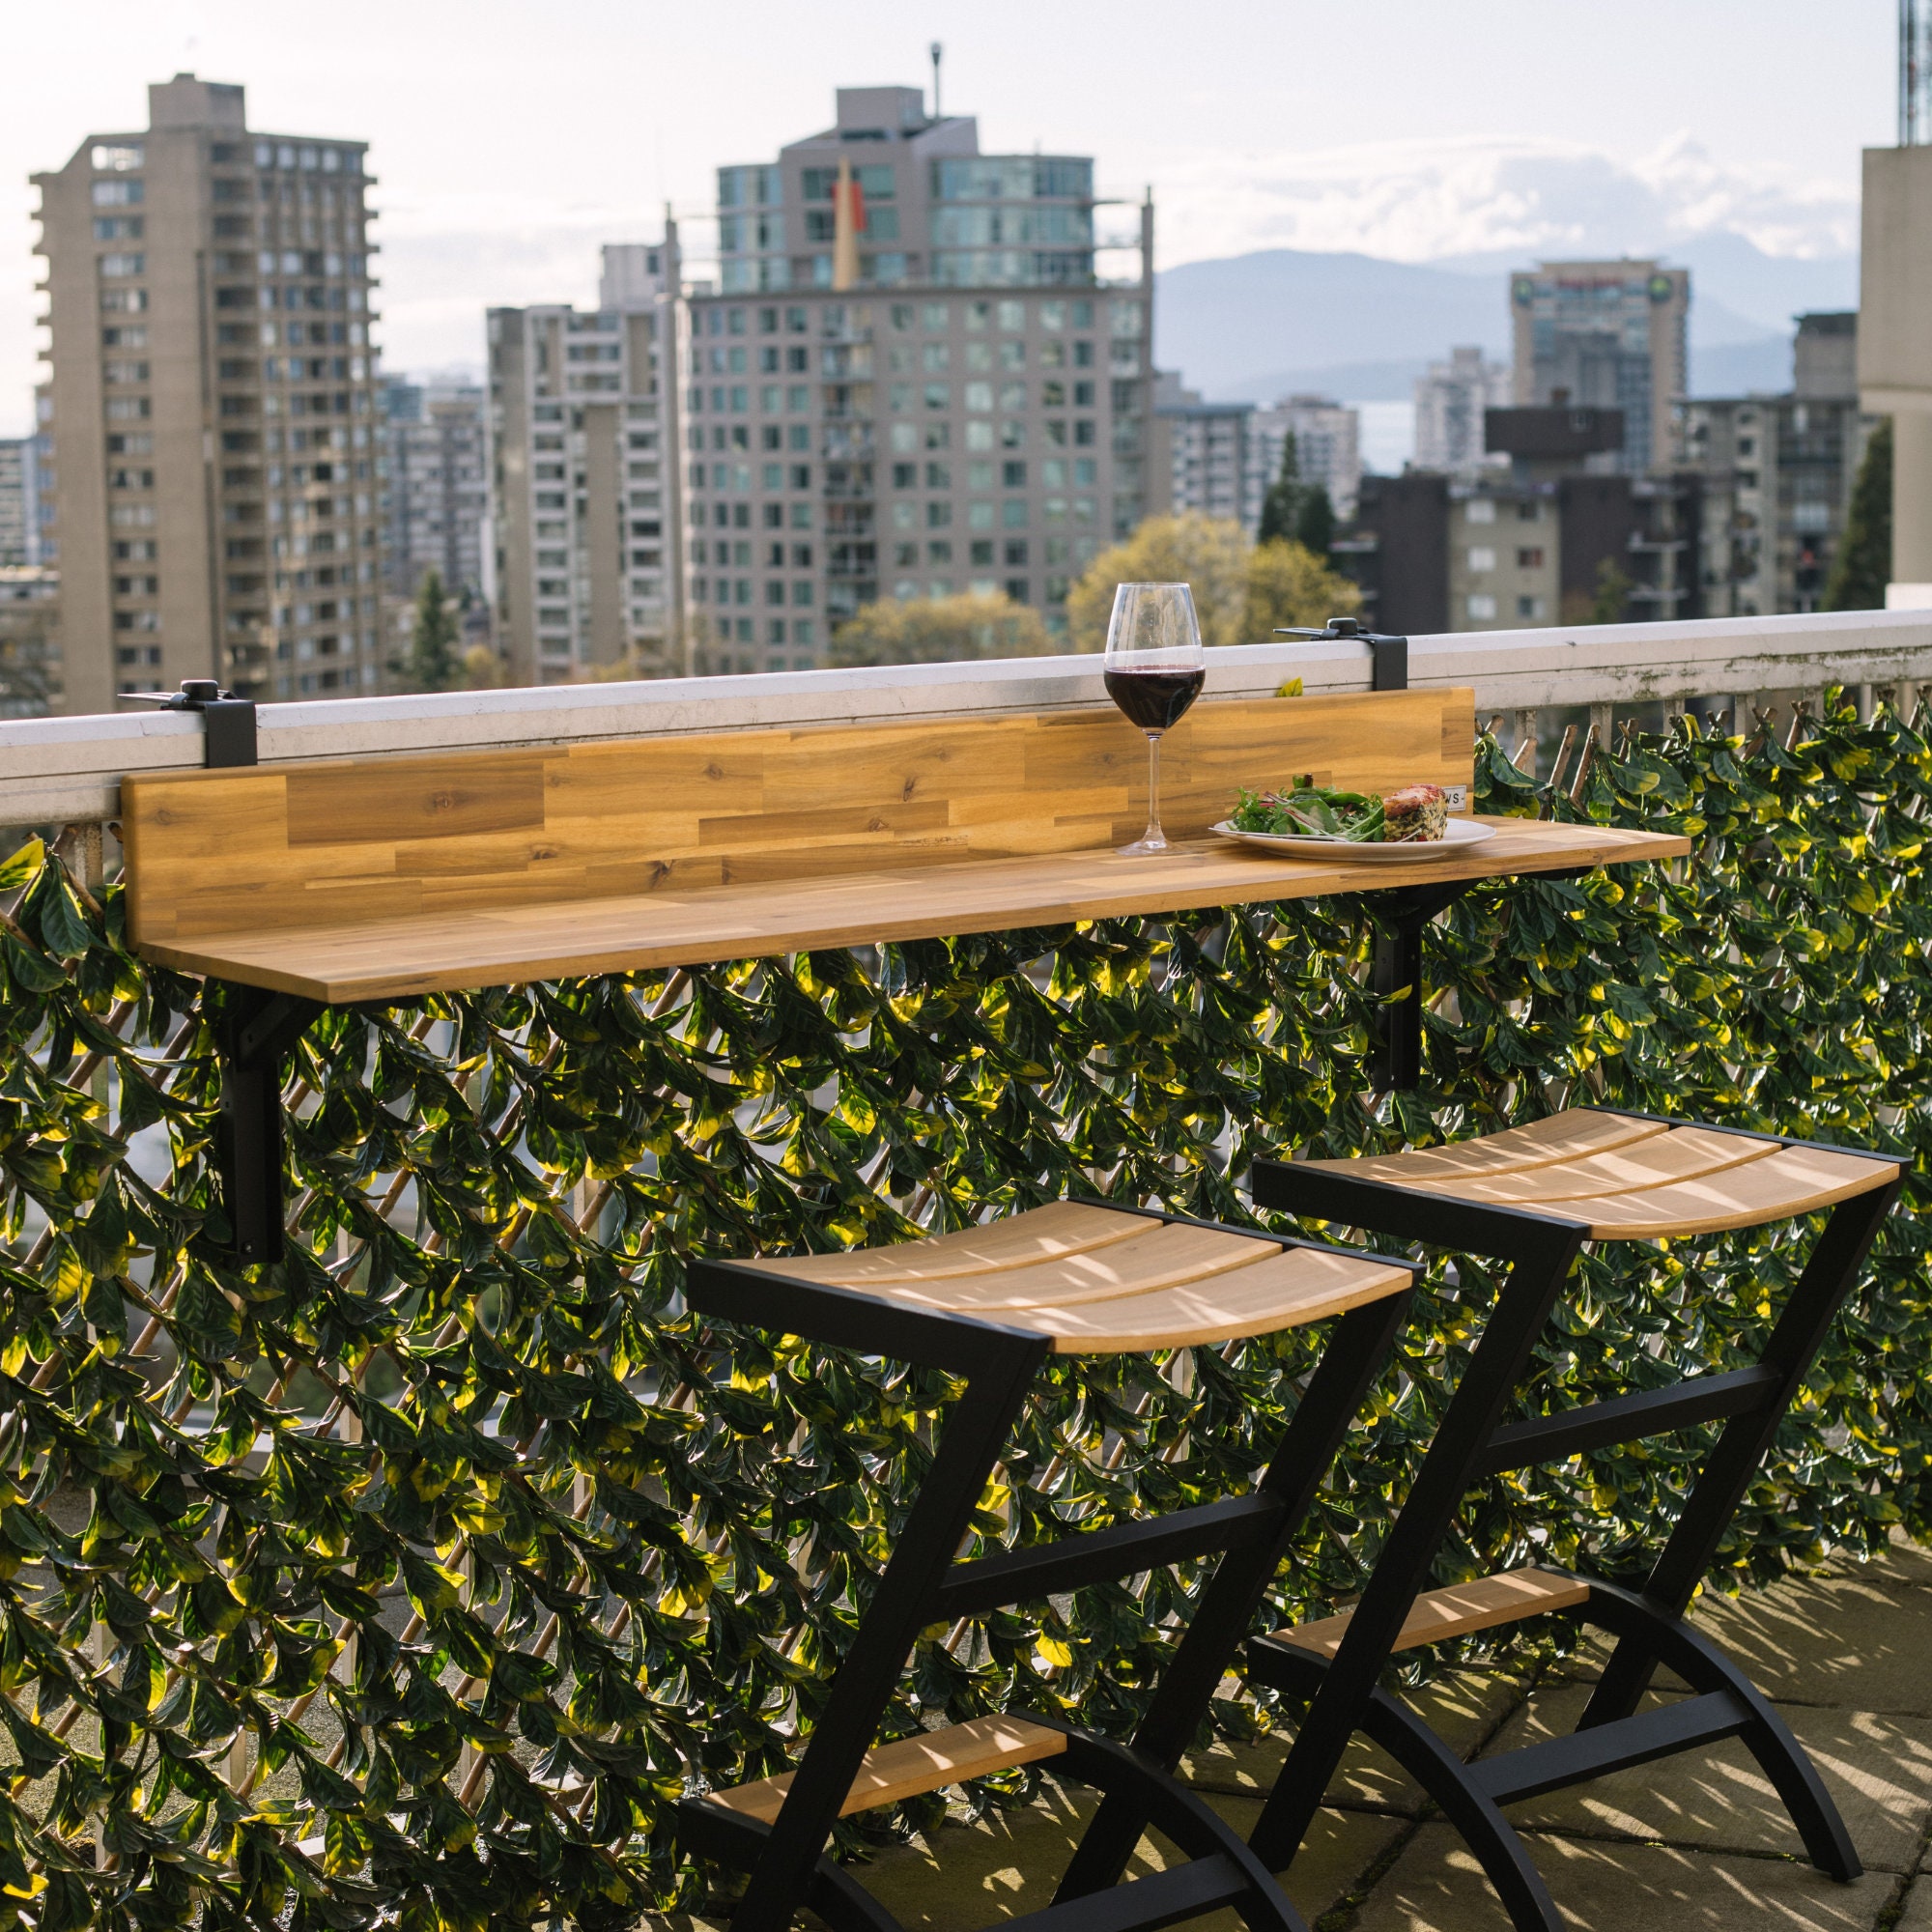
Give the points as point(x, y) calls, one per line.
point(1458, 832)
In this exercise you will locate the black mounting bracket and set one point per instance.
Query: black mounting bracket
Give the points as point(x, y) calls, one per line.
point(1388, 657)
point(228, 722)
point(254, 1033)
point(1400, 914)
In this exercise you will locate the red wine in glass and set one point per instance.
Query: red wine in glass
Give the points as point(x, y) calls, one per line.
point(1154, 670)
point(1156, 700)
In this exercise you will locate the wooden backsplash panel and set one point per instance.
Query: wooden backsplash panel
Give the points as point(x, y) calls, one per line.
point(344, 842)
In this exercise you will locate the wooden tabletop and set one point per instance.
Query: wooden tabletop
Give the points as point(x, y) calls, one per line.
point(394, 958)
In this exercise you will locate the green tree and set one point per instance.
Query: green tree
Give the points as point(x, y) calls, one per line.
point(1862, 566)
point(938, 630)
point(1612, 602)
point(1280, 507)
point(434, 661)
point(1209, 552)
point(1290, 584)
point(1315, 521)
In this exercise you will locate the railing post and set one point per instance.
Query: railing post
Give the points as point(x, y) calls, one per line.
point(1525, 735)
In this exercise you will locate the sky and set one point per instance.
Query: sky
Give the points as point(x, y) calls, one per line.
point(509, 139)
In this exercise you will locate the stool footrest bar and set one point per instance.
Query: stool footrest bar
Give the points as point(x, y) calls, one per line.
point(1161, 1898)
point(1628, 1418)
point(1581, 1755)
point(1507, 1598)
point(910, 1766)
point(1045, 1569)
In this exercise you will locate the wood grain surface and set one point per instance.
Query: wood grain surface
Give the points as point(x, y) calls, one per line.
point(1504, 1598)
point(1630, 1180)
point(910, 1766)
point(394, 959)
point(344, 843)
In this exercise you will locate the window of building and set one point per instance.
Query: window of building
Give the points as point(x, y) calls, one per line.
point(1481, 606)
point(1013, 513)
point(1482, 557)
point(935, 316)
point(938, 516)
point(1529, 606)
point(936, 356)
point(1014, 475)
point(1530, 558)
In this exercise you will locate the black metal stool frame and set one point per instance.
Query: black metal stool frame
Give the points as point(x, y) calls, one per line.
point(923, 1584)
point(1470, 1444)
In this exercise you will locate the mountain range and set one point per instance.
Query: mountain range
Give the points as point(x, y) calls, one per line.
point(1285, 321)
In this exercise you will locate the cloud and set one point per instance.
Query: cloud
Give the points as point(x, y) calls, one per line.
point(1419, 201)
point(445, 259)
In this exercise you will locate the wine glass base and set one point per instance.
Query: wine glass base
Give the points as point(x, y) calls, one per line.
point(1143, 846)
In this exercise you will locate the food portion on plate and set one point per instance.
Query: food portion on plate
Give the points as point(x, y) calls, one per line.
point(1415, 814)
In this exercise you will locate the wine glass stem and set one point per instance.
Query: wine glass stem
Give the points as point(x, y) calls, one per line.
point(1154, 836)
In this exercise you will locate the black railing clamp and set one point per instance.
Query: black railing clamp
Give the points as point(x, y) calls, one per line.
point(228, 722)
point(1388, 657)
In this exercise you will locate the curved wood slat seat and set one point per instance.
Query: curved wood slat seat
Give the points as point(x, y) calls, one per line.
point(1289, 1290)
point(1630, 1180)
point(1506, 1597)
point(1039, 1235)
point(1570, 1135)
point(1138, 1284)
point(1658, 1160)
point(910, 1766)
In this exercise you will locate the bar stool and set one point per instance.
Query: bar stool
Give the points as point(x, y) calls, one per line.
point(1532, 1196)
point(990, 1305)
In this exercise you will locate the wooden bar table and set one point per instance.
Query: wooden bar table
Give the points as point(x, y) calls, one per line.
point(379, 879)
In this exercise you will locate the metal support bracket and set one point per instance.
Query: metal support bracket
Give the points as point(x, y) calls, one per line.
point(1399, 915)
point(254, 1033)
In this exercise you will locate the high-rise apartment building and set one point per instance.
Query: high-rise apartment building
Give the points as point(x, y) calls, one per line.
point(19, 501)
point(1450, 400)
point(916, 388)
point(1780, 469)
point(435, 437)
point(1327, 445)
point(1215, 461)
point(583, 476)
point(1606, 335)
point(213, 416)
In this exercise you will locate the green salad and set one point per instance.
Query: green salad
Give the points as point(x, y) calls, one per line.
point(1312, 812)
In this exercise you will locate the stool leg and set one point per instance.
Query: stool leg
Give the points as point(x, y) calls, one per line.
point(1539, 1263)
point(1314, 1433)
point(1801, 1331)
point(974, 1436)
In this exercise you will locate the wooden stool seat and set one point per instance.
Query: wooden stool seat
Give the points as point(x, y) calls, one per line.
point(1631, 1179)
point(1532, 1196)
point(991, 1306)
point(1093, 1280)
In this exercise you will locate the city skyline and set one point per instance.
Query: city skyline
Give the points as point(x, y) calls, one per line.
point(470, 224)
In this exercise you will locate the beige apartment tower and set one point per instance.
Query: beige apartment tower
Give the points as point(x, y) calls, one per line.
point(213, 407)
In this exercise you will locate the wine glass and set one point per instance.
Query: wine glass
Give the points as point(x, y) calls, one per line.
point(1154, 670)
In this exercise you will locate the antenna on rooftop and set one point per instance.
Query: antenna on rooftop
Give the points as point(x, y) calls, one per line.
point(937, 50)
point(1915, 73)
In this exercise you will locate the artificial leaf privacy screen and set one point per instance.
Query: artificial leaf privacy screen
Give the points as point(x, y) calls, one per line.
point(412, 1581)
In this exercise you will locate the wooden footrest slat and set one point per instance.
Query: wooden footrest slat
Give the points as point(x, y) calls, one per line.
point(910, 1766)
point(1456, 1611)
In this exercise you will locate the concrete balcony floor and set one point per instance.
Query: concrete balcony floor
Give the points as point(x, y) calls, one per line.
point(1696, 1843)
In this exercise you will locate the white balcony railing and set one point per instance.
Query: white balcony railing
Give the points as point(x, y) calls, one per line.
point(66, 771)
